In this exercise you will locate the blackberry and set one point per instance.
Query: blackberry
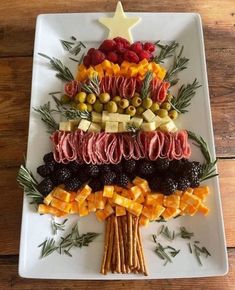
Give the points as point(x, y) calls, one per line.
point(96, 184)
point(81, 174)
point(74, 166)
point(92, 170)
point(48, 157)
point(162, 164)
point(190, 172)
point(198, 166)
point(146, 168)
point(45, 186)
point(168, 186)
point(73, 184)
point(62, 174)
point(122, 180)
point(129, 166)
point(45, 170)
point(108, 178)
point(155, 184)
point(176, 166)
point(195, 182)
point(105, 168)
point(117, 168)
point(183, 183)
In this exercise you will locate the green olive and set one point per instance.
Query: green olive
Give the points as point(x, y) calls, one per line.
point(155, 107)
point(169, 97)
point(89, 107)
point(136, 101)
point(98, 107)
point(131, 110)
point(173, 114)
point(91, 98)
point(116, 99)
point(140, 110)
point(82, 107)
point(120, 110)
point(147, 103)
point(80, 97)
point(112, 107)
point(65, 99)
point(104, 98)
point(162, 113)
point(124, 103)
point(166, 106)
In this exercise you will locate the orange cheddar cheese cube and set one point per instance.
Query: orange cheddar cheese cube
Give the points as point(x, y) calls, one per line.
point(73, 196)
point(191, 210)
point(140, 199)
point(91, 206)
point(108, 191)
point(91, 197)
point(47, 200)
point(156, 198)
point(172, 201)
point(203, 209)
point(100, 201)
point(142, 183)
point(83, 194)
point(170, 213)
point(61, 194)
point(61, 205)
point(120, 210)
point(191, 199)
point(201, 192)
point(74, 207)
point(47, 209)
point(135, 192)
point(121, 200)
point(143, 221)
point(135, 208)
point(157, 211)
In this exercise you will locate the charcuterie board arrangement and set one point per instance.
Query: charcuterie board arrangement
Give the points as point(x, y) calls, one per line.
point(117, 149)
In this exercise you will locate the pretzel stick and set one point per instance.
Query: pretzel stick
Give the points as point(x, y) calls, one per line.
point(142, 253)
point(113, 263)
point(117, 245)
point(106, 243)
point(129, 237)
point(110, 246)
point(124, 232)
point(123, 267)
point(141, 269)
point(135, 233)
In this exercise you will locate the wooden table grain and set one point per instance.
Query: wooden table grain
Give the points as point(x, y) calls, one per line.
point(17, 27)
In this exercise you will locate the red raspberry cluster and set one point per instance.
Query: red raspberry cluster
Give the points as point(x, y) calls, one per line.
point(119, 49)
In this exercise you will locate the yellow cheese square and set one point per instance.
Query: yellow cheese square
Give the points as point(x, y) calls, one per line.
point(62, 194)
point(108, 191)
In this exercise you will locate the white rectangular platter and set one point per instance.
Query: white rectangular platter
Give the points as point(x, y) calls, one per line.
point(185, 28)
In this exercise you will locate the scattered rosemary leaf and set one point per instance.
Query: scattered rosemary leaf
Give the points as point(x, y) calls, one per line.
point(48, 247)
point(166, 51)
point(145, 90)
point(197, 255)
point(154, 238)
point(54, 93)
point(76, 60)
point(57, 226)
point(167, 233)
point(185, 234)
point(190, 248)
point(73, 38)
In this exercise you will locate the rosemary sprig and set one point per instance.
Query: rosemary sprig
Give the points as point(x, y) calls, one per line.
point(46, 116)
point(48, 247)
point(208, 168)
point(92, 86)
point(185, 234)
point(132, 129)
point(72, 47)
point(199, 251)
point(57, 226)
point(184, 97)
point(63, 71)
point(67, 45)
point(166, 51)
point(27, 181)
point(145, 90)
point(71, 113)
point(163, 254)
point(164, 231)
point(180, 64)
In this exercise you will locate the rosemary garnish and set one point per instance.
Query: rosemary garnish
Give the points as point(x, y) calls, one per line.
point(163, 254)
point(166, 51)
point(71, 113)
point(131, 128)
point(184, 97)
point(190, 248)
point(63, 71)
point(29, 184)
point(72, 47)
point(184, 234)
point(208, 168)
point(164, 230)
point(198, 251)
point(180, 64)
point(145, 90)
point(46, 116)
point(92, 86)
point(48, 247)
point(57, 226)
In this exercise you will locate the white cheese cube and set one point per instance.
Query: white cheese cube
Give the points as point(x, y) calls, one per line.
point(105, 116)
point(84, 125)
point(65, 126)
point(148, 115)
point(122, 127)
point(168, 127)
point(111, 127)
point(136, 121)
point(94, 127)
point(96, 117)
point(124, 118)
point(113, 117)
point(150, 126)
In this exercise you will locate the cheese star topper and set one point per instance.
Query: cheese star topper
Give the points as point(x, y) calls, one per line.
point(120, 24)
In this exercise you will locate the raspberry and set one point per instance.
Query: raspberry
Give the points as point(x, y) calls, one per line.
point(113, 57)
point(71, 88)
point(90, 51)
point(149, 46)
point(137, 47)
point(144, 54)
point(120, 59)
point(131, 56)
point(107, 45)
point(87, 60)
point(126, 43)
point(120, 48)
point(97, 57)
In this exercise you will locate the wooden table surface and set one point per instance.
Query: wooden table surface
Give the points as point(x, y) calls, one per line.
point(17, 26)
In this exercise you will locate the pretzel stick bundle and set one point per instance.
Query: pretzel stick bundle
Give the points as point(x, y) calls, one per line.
point(123, 251)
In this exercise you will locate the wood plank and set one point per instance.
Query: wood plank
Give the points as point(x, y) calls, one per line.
point(10, 280)
point(11, 206)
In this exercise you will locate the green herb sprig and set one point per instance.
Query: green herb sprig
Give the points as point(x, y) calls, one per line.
point(184, 97)
point(185, 234)
point(48, 247)
point(131, 128)
point(180, 64)
point(73, 47)
point(57, 226)
point(164, 231)
point(63, 71)
point(92, 86)
point(27, 181)
point(45, 112)
point(198, 251)
point(166, 51)
point(145, 90)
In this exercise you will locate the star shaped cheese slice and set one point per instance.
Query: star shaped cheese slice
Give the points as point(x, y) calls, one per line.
point(120, 24)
